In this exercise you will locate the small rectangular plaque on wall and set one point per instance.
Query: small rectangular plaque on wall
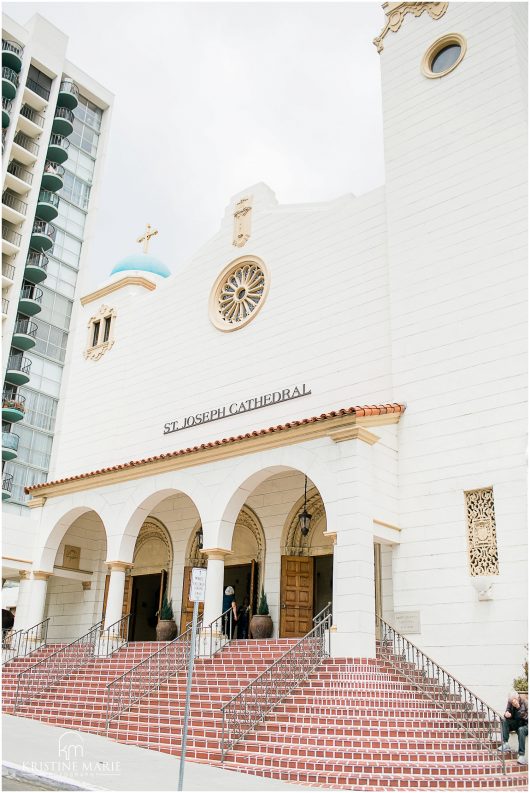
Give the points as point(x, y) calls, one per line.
point(71, 557)
point(407, 621)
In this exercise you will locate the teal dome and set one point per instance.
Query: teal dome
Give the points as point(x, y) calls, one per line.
point(143, 262)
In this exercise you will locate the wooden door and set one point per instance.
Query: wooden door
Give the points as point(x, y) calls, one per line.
point(296, 596)
point(186, 614)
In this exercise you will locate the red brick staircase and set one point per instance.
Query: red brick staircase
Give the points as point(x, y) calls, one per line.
point(356, 723)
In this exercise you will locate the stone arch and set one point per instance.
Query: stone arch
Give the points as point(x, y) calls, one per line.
point(246, 518)
point(293, 541)
point(45, 558)
point(153, 530)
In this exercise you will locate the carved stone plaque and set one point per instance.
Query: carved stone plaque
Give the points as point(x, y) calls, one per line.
point(407, 622)
point(71, 557)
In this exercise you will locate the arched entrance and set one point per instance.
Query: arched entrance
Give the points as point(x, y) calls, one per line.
point(243, 568)
point(306, 584)
point(147, 580)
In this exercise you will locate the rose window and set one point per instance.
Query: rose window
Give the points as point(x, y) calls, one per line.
point(238, 293)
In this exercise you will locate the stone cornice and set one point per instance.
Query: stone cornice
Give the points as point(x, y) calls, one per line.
point(129, 280)
point(343, 421)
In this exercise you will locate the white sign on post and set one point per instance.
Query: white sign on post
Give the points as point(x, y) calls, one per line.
point(198, 584)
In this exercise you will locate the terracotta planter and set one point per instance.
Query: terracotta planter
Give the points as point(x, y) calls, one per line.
point(261, 626)
point(166, 630)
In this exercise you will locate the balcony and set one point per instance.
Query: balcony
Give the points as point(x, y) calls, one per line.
point(30, 121)
point(25, 150)
point(9, 443)
point(68, 94)
point(11, 240)
point(63, 121)
point(9, 82)
point(8, 274)
point(25, 334)
point(18, 178)
point(47, 205)
point(36, 266)
point(13, 208)
point(42, 236)
point(12, 54)
point(58, 148)
point(18, 369)
point(13, 407)
point(30, 300)
point(35, 95)
point(52, 178)
point(7, 486)
point(5, 307)
point(6, 112)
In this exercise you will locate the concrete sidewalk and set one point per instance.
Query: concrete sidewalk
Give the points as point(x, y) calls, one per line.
point(56, 758)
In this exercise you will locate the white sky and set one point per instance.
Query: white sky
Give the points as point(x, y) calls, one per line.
point(213, 97)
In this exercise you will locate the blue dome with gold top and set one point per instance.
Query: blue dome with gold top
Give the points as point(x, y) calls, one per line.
point(143, 262)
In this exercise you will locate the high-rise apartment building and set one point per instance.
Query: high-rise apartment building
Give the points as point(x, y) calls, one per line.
point(55, 121)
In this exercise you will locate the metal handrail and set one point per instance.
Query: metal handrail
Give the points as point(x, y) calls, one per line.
point(19, 644)
point(35, 258)
point(127, 689)
point(453, 698)
point(12, 46)
point(114, 637)
point(64, 112)
point(6, 103)
point(7, 485)
point(31, 293)
point(8, 270)
point(13, 201)
point(221, 631)
point(27, 327)
point(43, 227)
point(11, 236)
point(10, 440)
point(26, 142)
point(19, 363)
point(17, 401)
point(16, 169)
point(54, 168)
point(48, 197)
point(37, 89)
point(59, 140)
point(10, 75)
point(31, 114)
point(38, 677)
point(68, 86)
point(251, 705)
point(325, 610)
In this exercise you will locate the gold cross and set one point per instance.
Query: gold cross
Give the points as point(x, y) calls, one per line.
point(147, 236)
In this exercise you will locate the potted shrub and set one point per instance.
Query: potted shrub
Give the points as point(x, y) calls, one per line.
point(166, 629)
point(261, 623)
point(520, 684)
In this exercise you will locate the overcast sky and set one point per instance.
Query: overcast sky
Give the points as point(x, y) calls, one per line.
point(213, 97)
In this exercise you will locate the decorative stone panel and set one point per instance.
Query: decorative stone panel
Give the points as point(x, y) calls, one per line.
point(481, 532)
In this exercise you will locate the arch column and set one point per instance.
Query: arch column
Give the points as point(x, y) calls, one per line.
point(113, 611)
point(38, 587)
point(24, 596)
point(353, 563)
point(213, 600)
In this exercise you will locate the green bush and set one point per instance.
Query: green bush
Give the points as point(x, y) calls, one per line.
point(263, 606)
point(521, 683)
point(166, 612)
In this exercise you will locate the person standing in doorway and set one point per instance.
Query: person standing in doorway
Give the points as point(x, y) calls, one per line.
point(229, 612)
point(242, 619)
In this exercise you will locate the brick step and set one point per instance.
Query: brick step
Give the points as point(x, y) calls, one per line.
point(381, 781)
point(361, 740)
point(390, 731)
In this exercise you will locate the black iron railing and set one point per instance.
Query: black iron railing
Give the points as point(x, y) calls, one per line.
point(31, 114)
point(18, 644)
point(69, 87)
point(34, 258)
point(29, 292)
point(6, 104)
point(148, 675)
point(98, 641)
point(13, 201)
point(26, 327)
point(7, 486)
point(20, 172)
point(37, 89)
point(47, 197)
point(58, 140)
point(42, 227)
point(476, 717)
point(13, 401)
point(64, 112)
point(251, 705)
point(27, 143)
point(9, 74)
point(19, 363)
point(12, 46)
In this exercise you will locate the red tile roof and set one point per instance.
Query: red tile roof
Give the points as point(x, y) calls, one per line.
point(359, 411)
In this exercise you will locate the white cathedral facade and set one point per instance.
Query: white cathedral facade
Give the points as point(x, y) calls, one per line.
point(364, 357)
